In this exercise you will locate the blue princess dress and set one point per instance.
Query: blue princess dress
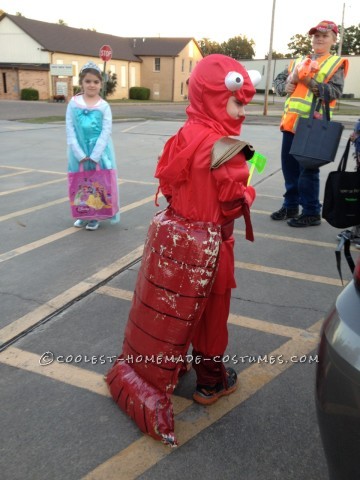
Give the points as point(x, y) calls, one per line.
point(88, 132)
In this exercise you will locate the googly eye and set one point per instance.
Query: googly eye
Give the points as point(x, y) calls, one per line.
point(255, 77)
point(234, 81)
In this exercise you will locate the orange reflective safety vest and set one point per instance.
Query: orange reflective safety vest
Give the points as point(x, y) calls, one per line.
point(299, 103)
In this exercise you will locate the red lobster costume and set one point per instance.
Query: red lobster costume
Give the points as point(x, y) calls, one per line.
point(183, 289)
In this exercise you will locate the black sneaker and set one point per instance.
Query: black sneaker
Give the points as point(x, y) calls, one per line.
point(285, 213)
point(305, 221)
point(207, 395)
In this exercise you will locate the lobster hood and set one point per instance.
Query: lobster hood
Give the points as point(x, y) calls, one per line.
point(214, 80)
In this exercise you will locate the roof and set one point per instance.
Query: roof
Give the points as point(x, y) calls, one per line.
point(60, 38)
point(158, 46)
point(26, 66)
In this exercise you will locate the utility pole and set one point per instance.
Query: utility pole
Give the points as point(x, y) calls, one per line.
point(267, 84)
point(341, 32)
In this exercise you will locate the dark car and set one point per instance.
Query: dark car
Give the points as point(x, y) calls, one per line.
point(338, 383)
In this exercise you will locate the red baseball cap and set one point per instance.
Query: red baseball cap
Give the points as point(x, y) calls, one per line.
point(324, 26)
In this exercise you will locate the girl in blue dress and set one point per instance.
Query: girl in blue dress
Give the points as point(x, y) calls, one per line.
point(88, 131)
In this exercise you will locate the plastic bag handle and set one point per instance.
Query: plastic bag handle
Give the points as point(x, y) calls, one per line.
point(344, 158)
point(81, 167)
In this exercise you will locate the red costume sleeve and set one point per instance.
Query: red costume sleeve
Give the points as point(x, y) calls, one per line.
point(231, 179)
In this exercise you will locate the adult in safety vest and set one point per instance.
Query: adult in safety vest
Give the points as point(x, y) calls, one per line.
point(300, 82)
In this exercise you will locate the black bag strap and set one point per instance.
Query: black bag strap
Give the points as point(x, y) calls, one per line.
point(325, 97)
point(344, 242)
point(321, 102)
point(344, 158)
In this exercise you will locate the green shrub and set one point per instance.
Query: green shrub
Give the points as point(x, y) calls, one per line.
point(139, 93)
point(29, 94)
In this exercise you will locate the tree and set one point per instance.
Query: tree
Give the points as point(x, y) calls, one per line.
point(111, 83)
point(276, 55)
point(239, 48)
point(236, 47)
point(208, 47)
point(62, 22)
point(351, 41)
point(299, 45)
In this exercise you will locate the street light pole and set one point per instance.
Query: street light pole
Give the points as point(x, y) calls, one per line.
point(267, 84)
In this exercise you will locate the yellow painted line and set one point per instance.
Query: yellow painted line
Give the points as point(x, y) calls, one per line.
point(289, 273)
point(64, 372)
point(27, 170)
point(57, 236)
point(19, 213)
point(239, 320)
point(50, 182)
point(15, 173)
point(262, 195)
point(116, 293)
point(31, 187)
point(65, 199)
point(260, 212)
point(69, 374)
point(135, 126)
point(144, 453)
point(139, 203)
point(266, 327)
point(301, 241)
point(37, 244)
point(29, 320)
point(139, 182)
point(23, 170)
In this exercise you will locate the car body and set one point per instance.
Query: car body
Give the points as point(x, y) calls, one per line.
point(338, 383)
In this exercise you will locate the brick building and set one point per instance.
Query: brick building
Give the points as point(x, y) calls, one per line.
point(28, 49)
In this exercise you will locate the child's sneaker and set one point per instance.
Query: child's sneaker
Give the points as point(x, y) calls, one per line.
point(92, 225)
point(80, 223)
point(206, 395)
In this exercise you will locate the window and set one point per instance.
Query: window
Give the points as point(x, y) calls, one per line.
point(190, 66)
point(132, 76)
point(182, 89)
point(4, 82)
point(191, 49)
point(123, 76)
point(75, 72)
point(157, 64)
point(183, 65)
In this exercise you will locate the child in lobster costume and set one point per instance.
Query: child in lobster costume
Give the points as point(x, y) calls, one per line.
point(183, 289)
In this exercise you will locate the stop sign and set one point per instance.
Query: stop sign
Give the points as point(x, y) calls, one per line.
point(105, 53)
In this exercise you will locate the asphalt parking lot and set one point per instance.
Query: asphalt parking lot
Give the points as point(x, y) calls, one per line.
point(65, 295)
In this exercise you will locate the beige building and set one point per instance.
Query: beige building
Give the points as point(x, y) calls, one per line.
point(48, 57)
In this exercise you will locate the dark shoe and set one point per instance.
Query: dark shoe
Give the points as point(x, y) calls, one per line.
point(207, 395)
point(285, 213)
point(305, 221)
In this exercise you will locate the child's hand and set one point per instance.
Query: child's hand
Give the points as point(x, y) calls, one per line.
point(250, 195)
